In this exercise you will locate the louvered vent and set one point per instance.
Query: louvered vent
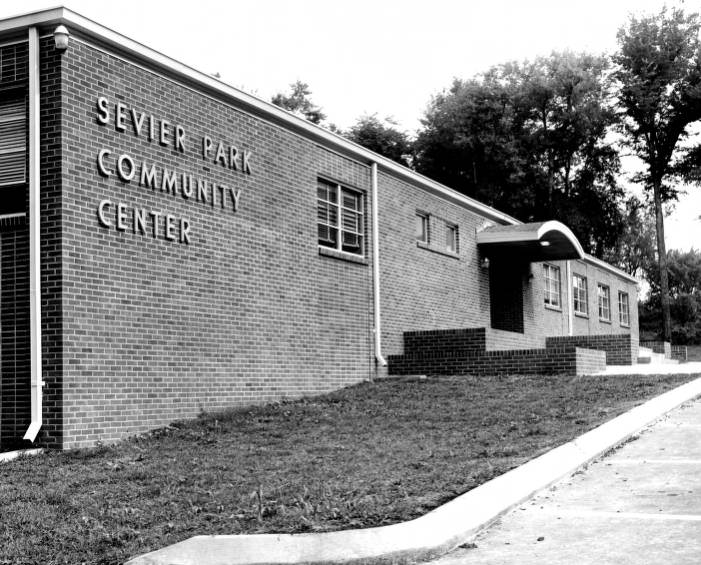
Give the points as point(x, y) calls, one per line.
point(14, 62)
point(13, 142)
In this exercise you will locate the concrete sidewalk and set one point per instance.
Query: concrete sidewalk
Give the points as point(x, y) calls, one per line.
point(641, 504)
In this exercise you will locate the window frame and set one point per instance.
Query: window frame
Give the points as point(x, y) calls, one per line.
point(603, 295)
point(425, 236)
point(341, 230)
point(577, 295)
point(451, 228)
point(547, 286)
point(625, 323)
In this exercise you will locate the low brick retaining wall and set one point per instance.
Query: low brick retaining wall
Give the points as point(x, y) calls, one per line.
point(464, 351)
point(620, 349)
point(679, 353)
point(659, 347)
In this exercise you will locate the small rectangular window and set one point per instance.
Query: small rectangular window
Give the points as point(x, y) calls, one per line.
point(422, 227)
point(451, 238)
point(552, 285)
point(580, 295)
point(604, 295)
point(623, 309)
point(340, 217)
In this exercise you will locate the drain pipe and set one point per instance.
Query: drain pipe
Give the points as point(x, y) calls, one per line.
point(34, 239)
point(570, 300)
point(376, 270)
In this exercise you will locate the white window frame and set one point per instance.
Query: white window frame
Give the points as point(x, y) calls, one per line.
point(452, 229)
point(552, 289)
point(580, 295)
point(624, 308)
point(422, 229)
point(331, 215)
point(603, 293)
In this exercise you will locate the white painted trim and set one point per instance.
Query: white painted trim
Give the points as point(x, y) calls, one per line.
point(34, 239)
point(610, 268)
point(497, 236)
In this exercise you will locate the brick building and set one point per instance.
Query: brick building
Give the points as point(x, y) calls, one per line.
point(170, 244)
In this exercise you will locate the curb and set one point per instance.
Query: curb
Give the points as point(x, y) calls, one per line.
point(438, 531)
point(10, 455)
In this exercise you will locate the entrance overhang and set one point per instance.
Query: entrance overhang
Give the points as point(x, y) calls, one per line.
point(535, 242)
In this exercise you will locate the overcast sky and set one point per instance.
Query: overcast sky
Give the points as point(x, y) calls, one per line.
point(370, 56)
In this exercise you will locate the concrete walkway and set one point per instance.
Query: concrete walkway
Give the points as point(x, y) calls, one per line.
point(653, 369)
point(641, 504)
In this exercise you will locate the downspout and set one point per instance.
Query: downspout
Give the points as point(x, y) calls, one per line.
point(34, 239)
point(376, 270)
point(570, 304)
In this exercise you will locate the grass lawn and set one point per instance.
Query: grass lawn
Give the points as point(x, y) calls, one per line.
point(373, 454)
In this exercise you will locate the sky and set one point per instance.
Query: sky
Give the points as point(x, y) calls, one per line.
point(371, 56)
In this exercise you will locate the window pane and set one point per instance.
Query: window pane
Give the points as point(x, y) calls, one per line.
point(451, 238)
point(340, 217)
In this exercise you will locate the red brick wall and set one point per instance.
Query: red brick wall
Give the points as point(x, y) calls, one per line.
point(249, 311)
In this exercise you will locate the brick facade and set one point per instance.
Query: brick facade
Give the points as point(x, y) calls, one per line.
point(140, 327)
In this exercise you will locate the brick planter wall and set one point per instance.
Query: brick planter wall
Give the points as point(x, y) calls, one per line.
point(620, 349)
point(464, 352)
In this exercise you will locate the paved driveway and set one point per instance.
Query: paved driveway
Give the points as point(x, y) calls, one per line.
point(639, 505)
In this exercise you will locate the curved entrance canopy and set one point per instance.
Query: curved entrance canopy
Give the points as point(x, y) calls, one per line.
point(541, 241)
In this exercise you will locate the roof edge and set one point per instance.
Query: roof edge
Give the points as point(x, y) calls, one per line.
point(610, 268)
point(122, 44)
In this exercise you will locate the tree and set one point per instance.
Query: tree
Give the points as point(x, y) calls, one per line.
point(659, 73)
point(635, 249)
point(298, 101)
point(381, 136)
point(685, 298)
point(531, 139)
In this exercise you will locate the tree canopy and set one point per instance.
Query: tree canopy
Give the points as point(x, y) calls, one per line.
point(530, 138)
point(381, 136)
point(299, 102)
point(658, 69)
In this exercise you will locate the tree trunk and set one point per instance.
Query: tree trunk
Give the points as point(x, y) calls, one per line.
point(662, 261)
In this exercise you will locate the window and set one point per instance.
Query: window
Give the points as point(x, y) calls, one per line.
point(604, 294)
point(623, 310)
point(579, 294)
point(13, 156)
point(422, 227)
point(552, 285)
point(451, 238)
point(340, 217)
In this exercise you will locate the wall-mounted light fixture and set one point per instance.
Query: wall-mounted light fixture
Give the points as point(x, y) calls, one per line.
point(61, 36)
point(485, 263)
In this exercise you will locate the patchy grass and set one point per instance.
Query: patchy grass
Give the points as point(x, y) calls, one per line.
point(373, 454)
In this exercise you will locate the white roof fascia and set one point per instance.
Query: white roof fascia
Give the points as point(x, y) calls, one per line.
point(497, 236)
point(77, 23)
point(610, 268)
